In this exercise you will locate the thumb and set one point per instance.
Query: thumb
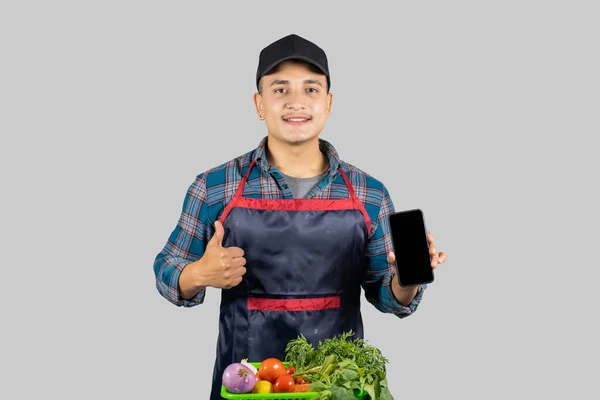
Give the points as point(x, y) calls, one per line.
point(217, 238)
point(391, 258)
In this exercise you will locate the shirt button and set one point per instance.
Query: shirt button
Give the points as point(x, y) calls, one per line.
point(285, 186)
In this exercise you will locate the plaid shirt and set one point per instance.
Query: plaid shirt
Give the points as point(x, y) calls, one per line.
point(208, 195)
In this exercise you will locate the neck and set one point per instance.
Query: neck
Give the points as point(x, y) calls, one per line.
point(303, 160)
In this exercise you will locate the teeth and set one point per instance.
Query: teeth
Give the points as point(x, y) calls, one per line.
point(297, 119)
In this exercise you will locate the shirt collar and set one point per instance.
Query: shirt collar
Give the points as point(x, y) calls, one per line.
point(334, 159)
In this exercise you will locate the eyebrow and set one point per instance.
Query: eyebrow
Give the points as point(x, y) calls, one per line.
point(285, 82)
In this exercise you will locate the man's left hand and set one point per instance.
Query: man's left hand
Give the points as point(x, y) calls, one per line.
point(404, 295)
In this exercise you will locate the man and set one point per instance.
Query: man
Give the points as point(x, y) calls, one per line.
point(288, 231)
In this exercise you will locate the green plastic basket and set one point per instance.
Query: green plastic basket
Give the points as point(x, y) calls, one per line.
point(360, 395)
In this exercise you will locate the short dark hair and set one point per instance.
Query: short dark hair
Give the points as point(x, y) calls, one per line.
point(276, 68)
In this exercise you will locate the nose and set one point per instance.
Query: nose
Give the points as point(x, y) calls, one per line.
point(296, 102)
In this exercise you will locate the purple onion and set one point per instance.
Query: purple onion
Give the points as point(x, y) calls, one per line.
point(237, 378)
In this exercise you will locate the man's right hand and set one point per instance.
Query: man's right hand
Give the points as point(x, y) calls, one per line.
point(220, 267)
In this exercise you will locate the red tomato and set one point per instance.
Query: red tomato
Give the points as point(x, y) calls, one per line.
point(290, 370)
point(301, 388)
point(271, 369)
point(257, 376)
point(300, 380)
point(284, 384)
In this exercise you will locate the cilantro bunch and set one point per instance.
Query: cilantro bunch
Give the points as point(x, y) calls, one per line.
point(339, 367)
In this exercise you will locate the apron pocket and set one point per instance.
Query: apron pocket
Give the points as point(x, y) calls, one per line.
point(274, 322)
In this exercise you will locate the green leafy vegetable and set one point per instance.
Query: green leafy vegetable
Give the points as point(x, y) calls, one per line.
point(300, 351)
point(339, 366)
point(341, 393)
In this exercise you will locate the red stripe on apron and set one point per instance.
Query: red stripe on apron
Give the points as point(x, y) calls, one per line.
point(296, 204)
point(312, 304)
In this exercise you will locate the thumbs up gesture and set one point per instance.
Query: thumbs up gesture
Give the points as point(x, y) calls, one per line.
point(220, 267)
point(223, 266)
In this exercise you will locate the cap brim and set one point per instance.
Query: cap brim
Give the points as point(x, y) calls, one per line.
point(306, 59)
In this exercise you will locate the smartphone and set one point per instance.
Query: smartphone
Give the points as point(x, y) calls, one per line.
point(409, 239)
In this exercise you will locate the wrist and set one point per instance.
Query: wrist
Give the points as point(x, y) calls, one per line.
point(190, 281)
point(404, 295)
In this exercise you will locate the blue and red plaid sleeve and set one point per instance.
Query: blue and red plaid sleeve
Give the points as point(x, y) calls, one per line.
point(204, 201)
point(186, 244)
point(377, 284)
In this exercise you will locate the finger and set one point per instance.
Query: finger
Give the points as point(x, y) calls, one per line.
point(434, 261)
point(236, 281)
point(429, 236)
point(442, 257)
point(235, 252)
point(238, 262)
point(217, 238)
point(236, 273)
point(391, 258)
point(432, 250)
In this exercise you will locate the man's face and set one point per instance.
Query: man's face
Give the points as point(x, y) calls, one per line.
point(294, 102)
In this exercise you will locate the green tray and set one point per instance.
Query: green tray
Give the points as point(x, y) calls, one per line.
point(360, 395)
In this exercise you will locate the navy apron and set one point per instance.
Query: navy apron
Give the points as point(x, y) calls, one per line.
point(305, 261)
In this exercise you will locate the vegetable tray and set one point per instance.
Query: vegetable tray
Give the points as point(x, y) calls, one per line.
point(279, 396)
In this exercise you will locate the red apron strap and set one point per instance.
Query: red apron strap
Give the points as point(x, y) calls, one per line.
point(357, 202)
point(348, 184)
point(238, 194)
point(240, 189)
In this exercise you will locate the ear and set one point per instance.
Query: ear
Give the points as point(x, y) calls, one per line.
point(258, 104)
point(329, 102)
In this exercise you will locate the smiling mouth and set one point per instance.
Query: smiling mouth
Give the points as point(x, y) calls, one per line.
point(296, 119)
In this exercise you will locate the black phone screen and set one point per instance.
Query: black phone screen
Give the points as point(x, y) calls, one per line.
point(409, 239)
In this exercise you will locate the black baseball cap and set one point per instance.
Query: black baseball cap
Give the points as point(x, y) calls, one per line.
point(292, 47)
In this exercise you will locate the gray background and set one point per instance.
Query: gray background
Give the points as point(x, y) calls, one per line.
point(483, 114)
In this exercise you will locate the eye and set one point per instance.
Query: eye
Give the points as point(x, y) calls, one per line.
point(313, 90)
point(279, 90)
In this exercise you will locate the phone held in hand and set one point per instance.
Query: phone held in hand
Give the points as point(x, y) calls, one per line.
point(411, 247)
